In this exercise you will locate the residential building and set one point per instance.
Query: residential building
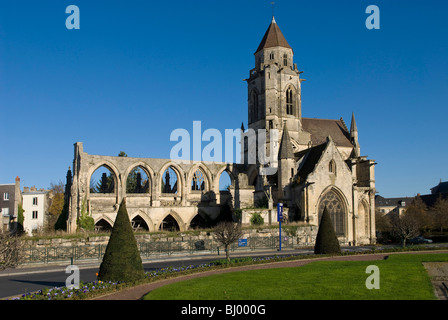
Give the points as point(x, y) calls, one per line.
point(10, 199)
point(35, 205)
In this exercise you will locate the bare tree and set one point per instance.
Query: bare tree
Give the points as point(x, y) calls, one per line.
point(440, 213)
point(10, 250)
point(404, 227)
point(227, 233)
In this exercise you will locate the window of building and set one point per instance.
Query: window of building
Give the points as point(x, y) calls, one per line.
point(198, 181)
point(289, 102)
point(5, 211)
point(285, 59)
point(34, 214)
point(35, 201)
point(332, 167)
point(254, 105)
point(6, 196)
point(271, 56)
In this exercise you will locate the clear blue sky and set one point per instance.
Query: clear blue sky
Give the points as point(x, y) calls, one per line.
point(137, 70)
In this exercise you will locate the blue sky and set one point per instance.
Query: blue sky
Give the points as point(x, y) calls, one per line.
point(137, 70)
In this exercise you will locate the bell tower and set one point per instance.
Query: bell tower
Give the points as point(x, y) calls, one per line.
point(274, 86)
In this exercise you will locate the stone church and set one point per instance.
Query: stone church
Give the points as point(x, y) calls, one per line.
point(319, 164)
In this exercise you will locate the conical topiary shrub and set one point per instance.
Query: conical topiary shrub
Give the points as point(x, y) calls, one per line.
point(326, 240)
point(121, 261)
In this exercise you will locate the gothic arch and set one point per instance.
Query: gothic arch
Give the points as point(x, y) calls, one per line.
point(198, 221)
point(291, 100)
point(337, 207)
point(145, 167)
point(104, 223)
point(179, 173)
point(227, 169)
point(137, 219)
point(206, 175)
point(174, 215)
point(112, 168)
point(364, 215)
point(254, 105)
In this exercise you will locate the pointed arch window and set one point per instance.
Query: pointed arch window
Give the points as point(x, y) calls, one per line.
point(198, 181)
point(254, 98)
point(336, 210)
point(332, 167)
point(289, 101)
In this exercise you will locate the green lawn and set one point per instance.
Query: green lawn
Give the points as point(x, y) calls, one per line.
point(402, 277)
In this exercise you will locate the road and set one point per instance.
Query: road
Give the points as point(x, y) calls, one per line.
point(18, 281)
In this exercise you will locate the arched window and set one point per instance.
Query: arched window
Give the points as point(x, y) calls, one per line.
point(169, 181)
point(254, 98)
point(198, 181)
point(102, 180)
point(285, 59)
point(137, 181)
point(336, 209)
point(289, 101)
point(332, 167)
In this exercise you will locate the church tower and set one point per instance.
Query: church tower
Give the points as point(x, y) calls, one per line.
point(274, 86)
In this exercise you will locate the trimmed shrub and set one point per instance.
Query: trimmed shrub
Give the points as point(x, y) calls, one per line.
point(326, 240)
point(121, 261)
point(256, 219)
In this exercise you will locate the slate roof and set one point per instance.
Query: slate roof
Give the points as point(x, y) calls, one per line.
point(273, 38)
point(320, 129)
point(286, 151)
point(311, 157)
point(381, 201)
point(442, 187)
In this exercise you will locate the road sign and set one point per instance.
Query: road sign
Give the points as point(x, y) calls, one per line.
point(242, 242)
point(279, 212)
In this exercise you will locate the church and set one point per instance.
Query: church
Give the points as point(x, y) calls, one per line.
point(318, 164)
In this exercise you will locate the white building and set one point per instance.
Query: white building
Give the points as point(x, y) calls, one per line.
point(35, 204)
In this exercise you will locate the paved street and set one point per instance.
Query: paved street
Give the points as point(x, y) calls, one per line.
point(18, 281)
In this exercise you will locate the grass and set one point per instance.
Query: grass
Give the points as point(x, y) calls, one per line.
point(402, 277)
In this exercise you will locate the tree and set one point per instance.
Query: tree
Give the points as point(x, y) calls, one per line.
point(419, 213)
point(227, 233)
point(121, 261)
point(11, 248)
point(56, 208)
point(326, 240)
point(405, 226)
point(440, 213)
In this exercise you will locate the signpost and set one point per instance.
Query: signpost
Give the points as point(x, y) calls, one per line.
point(279, 219)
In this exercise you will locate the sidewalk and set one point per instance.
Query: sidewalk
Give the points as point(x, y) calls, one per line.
point(86, 264)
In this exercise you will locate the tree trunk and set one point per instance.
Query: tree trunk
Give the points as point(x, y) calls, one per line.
point(227, 253)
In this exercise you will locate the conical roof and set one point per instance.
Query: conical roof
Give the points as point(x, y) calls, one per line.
point(286, 151)
point(353, 126)
point(273, 38)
